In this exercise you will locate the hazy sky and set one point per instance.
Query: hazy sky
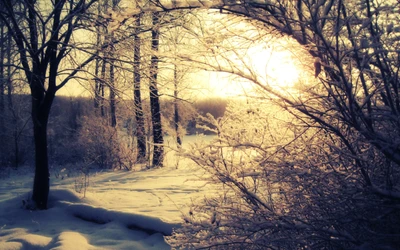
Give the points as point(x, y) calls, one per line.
point(279, 68)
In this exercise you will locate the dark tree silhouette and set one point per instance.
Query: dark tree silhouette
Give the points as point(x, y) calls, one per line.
point(42, 46)
point(140, 131)
point(158, 140)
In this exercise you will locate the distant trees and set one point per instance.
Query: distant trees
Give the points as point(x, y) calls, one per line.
point(8, 115)
point(145, 29)
point(176, 39)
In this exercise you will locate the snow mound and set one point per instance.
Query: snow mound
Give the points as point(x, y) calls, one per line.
point(29, 241)
point(57, 195)
point(65, 241)
point(11, 246)
point(71, 240)
point(98, 215)
point(122, 210)
point(80, 224)
point(88, 210)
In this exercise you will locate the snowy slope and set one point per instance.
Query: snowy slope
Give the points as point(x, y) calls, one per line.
point(121, 209)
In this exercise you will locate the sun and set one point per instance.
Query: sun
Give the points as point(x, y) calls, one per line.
point(278, 64)
point(281, 70)
point(275, 69)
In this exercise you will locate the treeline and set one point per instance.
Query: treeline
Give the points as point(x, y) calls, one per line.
point(77, 134)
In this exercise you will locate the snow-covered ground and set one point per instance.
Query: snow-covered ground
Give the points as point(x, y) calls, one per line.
point(120, 210)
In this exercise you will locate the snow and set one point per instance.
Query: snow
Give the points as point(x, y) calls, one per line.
point(120, 210)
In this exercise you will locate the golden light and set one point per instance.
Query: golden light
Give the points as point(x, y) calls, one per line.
point(282, 71)
point(279, 70)
point(274, 67)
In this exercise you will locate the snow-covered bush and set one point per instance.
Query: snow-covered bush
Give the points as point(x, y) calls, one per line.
point(104, 146)
point(287, 184)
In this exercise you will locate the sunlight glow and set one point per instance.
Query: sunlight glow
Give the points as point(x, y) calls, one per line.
point(282, 71)
point(276, 68)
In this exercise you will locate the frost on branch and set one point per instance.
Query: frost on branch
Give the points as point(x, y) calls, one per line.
point(281, 184)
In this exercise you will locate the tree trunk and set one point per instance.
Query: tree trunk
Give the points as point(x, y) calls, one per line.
point(176, 109)
point(9, 77)
point(41, 183)
point(41, 105)
point(97, 81)
point(103, 78)
point(158, 140)
point(113, 117)
point(140, 131)
point(2, 99)
point(96, 85)
point(10, 103)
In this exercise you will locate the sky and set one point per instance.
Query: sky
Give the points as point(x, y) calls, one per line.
point(279, 68)
point(275, 60)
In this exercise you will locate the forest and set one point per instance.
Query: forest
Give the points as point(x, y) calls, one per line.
point(305, 156)
point(72, 117)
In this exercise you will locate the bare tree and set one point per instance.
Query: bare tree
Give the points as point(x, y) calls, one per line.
point(355, 46)
point(113, 116)
point(2, 40)
point(98, 86)
point(176, 109)
point(351, 142)
point(158, 140)
point(43, 45)
point(140, 130)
